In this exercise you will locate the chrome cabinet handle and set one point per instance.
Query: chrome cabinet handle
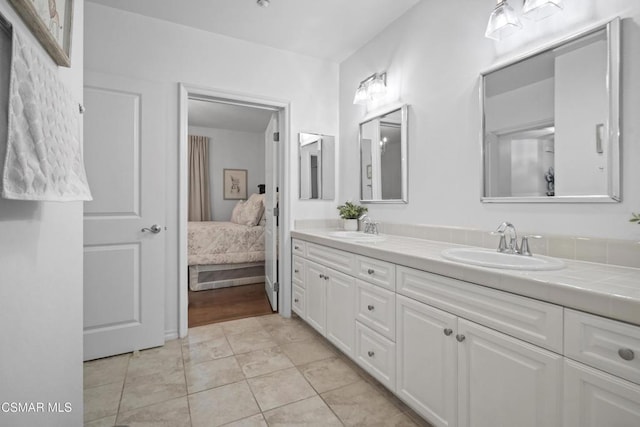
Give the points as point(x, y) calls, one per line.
point(626, 354)
point(599, 128)
point(370, 307)
point(371, 271)
point(448, 331)
point(460, 337)
point(155, 229)
point(370, 353)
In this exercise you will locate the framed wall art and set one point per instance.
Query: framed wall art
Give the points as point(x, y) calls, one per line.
point(235, 184)
point(51, 22)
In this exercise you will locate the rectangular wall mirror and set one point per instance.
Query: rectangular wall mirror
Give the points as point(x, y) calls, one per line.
point(317, 166)
point(550, 122)
point(383, 157)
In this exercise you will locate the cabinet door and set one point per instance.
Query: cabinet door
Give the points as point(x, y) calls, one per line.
point(426, 360)
point(340, 310)
point(593, 398)
point(315, 296)
point(503, 381)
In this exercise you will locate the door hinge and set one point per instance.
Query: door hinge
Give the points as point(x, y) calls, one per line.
point(276, 136)
point(276, 211)
point(276, 287)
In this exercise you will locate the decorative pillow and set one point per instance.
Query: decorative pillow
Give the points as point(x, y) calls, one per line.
point(237, 211)
point(249, 212)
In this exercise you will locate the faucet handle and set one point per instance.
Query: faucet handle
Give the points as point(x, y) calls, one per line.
point(502, 246)
point(524, 246)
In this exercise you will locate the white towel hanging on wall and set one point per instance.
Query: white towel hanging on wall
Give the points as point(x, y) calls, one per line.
point(44, 157)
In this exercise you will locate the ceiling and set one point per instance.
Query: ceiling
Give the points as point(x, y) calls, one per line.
point(326, 29)
point(228, 116)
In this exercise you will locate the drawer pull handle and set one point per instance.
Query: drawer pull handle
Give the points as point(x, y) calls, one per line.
point(370, 308)
point(448, 331)
point(371, 271)
point(460, 337)
point(371, 353)
point(626, 354)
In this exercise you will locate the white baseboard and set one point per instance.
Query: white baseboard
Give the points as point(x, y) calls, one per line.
point(170, 335)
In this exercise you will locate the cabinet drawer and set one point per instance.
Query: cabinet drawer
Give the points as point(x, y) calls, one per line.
point(334, 258)
point(298, 247)
point(377, 272)
point(298, 271)
point(297, 303)
point(531, 320)
point(376, 308)
point(603, 343)
point(376, 355)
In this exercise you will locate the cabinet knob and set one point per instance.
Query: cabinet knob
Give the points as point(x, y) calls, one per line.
point(626, 353)
point(370, 307)
point(371, 271)
point(296, 247)
point(296, 271)
point(460, 337)
point(371, 353)
point(296, 300)
point(326, 277)
point(321, 276)
point(448, 331)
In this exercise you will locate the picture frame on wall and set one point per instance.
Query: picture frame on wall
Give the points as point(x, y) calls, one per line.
point(51, 22)
point(234, 184)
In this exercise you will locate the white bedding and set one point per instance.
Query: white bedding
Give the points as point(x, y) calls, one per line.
point(221, 242)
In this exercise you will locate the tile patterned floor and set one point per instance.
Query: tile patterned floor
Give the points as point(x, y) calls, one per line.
point(260, 371)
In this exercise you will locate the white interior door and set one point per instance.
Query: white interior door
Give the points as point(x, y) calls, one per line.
point(124, 281)
point(271, 202)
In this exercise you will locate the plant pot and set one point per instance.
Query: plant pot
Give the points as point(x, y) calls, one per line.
point(350, 224)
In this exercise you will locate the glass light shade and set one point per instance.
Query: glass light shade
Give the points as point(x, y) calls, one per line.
point(361, 96)
point(540, 9)
point(503, 22)
point(377, 88)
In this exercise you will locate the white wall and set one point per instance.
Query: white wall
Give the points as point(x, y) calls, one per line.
point(41, 282)
point(433, 56)
point(229, 149)
point(128, 44)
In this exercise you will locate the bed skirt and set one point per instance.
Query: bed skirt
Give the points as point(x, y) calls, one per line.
point(215, 276)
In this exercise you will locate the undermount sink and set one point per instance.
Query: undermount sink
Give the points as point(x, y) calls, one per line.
point(357, 236)
point(494, 259)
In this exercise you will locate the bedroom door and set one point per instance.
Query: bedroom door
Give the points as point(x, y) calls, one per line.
point(272, 150)
point(124, 249)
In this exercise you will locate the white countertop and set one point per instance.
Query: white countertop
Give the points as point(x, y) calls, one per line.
point(602, 289)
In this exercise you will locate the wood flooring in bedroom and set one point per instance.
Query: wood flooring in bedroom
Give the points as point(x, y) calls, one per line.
point(219, 305)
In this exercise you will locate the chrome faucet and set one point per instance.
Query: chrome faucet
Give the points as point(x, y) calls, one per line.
point(512, 247)
point(370, 227)
point(503, 246)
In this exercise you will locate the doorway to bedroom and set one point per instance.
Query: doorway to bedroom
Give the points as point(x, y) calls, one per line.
point(232, 198)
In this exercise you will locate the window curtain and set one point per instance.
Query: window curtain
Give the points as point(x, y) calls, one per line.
point(199, 192)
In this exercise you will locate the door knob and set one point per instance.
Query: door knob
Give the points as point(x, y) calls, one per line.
point(155, 229)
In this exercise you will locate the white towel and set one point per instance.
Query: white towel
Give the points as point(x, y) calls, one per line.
point(44, 157)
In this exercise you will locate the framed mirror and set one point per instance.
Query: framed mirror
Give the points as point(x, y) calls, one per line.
point(383, 157)
point(550, 122)
point(317, 166)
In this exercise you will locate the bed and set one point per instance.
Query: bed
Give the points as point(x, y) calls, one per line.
point(223, 254)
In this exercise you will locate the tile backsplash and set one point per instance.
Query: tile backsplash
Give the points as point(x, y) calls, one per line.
point(606, 251)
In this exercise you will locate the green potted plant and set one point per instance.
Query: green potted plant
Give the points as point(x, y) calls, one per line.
point(635, 218)
point(350, 213)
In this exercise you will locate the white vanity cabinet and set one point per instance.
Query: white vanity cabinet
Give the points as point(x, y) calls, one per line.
point(461, 354)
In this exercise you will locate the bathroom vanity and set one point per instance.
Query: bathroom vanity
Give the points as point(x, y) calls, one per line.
point(466, 345)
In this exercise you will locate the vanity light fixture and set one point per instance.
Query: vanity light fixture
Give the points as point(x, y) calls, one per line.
point(372, 88)
point(540, 9)
point(503, 21)
point(263, 3)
